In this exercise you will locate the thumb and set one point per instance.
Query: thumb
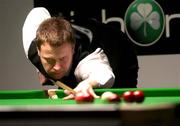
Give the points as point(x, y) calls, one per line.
point(67, 92)
point(71, 96)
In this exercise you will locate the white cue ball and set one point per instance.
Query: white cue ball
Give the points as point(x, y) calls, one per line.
point(107, 95)
point(54, 97)
point(52, 94)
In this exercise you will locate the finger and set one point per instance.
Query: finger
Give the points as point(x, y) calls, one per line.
point(91, 91)
point(67, 92)
point(71, 96)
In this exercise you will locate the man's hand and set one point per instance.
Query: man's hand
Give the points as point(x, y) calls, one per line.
point(42, 78)
point(86, 87)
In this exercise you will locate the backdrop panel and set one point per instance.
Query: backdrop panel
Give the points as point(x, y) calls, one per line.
point(152, 26)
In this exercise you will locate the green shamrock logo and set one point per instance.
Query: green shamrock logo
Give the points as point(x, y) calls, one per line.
point(144, 15)
point(144, 22)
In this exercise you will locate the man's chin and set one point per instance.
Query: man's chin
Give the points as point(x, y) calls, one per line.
point(57, 76)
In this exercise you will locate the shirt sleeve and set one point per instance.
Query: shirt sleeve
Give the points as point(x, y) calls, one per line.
point(96, 66)
point(31, 24)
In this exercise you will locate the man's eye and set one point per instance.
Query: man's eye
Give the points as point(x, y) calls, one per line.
point(63, 59)
point(50, 61)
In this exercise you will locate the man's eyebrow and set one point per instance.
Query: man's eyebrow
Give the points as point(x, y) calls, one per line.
point(45, 57)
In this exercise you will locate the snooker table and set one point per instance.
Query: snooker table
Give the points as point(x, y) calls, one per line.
point(161, 107)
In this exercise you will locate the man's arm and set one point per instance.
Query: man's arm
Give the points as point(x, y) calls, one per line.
point(43, 80)
point(93, 71)
point(96, 69)
point(32, 22)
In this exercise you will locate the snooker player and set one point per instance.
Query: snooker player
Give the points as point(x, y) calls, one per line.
point(83, 57)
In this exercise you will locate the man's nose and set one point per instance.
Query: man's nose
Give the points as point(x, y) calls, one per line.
point(57, 66)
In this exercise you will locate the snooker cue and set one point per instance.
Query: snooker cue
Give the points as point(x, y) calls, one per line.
point(64, 86)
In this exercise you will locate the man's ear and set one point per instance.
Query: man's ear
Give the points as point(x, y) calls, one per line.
point(38, 51)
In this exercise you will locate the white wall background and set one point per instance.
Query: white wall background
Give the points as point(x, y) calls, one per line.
point(16, 72)
point(159, 71)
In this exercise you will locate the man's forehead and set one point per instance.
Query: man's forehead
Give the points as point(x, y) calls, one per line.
point(59, 51)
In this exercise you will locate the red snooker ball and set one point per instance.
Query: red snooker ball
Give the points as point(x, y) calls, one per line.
point(110, 97)
point(114, 98)
point(80, 97)
point(128, 96)
point(139, 96)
